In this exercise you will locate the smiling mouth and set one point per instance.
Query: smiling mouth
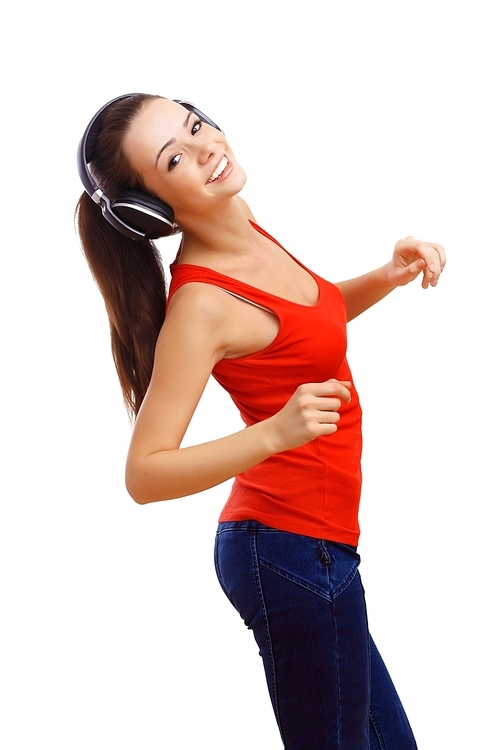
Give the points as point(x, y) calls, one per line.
point(219, 169)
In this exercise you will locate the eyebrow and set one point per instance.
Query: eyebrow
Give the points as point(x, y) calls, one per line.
point(172, 140)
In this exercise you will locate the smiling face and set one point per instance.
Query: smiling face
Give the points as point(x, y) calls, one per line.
point(183, 161)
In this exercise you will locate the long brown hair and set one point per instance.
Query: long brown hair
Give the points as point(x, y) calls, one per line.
point(129, 273)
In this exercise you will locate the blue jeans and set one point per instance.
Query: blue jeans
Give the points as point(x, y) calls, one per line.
point(304, 601)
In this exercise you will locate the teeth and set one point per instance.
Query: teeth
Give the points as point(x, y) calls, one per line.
point(219, 169)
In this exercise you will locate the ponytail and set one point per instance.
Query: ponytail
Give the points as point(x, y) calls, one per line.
point(129, 273)
point(130, 277)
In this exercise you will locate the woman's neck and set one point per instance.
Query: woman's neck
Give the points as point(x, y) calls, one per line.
point(221, 236)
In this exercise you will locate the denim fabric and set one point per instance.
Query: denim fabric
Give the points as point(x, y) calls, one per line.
point(304, 601)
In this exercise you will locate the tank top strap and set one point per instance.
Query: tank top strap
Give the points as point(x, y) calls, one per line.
point(184, 273)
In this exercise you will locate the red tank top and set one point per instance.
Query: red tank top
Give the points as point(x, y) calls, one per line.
point(315, 489)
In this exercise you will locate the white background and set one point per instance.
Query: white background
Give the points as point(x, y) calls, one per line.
point(357, 123)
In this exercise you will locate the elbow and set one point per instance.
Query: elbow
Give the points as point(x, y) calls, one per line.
point(136, 479)
point(138, 499)
point(147, 483)
point(135, 493)
point(137, 487)
point(143, 489)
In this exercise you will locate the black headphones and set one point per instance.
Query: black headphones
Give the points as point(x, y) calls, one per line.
point(134, 213)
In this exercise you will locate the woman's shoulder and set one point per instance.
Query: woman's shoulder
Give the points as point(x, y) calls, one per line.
point(197, 321)
point(197, 299)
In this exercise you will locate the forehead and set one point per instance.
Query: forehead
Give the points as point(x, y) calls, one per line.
point(156, 123)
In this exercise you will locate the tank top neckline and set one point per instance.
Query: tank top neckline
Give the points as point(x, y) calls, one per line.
point(232, 279)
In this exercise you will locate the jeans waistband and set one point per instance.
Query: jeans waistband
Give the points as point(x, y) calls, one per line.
point(250, 525)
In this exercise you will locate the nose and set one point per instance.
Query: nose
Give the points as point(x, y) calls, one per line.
point(206, 146)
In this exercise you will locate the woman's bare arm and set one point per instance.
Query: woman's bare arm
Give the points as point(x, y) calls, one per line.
point(196, 334)
point(411, 257)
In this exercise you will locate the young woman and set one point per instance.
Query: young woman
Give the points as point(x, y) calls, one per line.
point(272, 333)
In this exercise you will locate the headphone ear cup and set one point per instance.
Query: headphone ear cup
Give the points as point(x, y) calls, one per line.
point(145, 213)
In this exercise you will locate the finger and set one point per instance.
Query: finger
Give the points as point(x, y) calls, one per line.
point(331, 420)
point(344, 391)
point(432, 273)
point(431, 252)
point(428, 275)
point(346, 383)
point(327, 417)
point(433, 265)
point(440, 251)
point(328, 404)
point(413, 269)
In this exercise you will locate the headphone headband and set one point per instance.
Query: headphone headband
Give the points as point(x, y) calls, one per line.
point(134, 213)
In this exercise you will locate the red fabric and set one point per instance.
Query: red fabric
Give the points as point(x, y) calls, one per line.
point(313, 490)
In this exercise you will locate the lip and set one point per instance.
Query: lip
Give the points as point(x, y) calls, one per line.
point(225, 173)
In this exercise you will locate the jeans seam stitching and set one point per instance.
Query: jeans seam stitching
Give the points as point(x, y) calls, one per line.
point(376, 729)
point(339, 691)
point(345, 584)
point(258, 583)
point(293, 579)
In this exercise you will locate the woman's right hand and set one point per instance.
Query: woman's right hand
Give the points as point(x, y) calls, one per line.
point(312, 411)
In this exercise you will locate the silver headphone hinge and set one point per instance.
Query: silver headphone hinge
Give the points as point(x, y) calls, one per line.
point(96, 197)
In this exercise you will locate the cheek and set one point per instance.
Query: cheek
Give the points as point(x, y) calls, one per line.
point(165, 187)
point(186, 192)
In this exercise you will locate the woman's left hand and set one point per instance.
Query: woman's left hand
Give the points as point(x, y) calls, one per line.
point(412, 257)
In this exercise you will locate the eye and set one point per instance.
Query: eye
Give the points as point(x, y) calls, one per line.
point(174, 162)
point(176, 159)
